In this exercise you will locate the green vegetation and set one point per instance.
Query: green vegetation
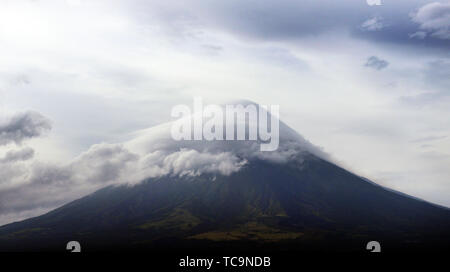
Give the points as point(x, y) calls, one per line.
point(250, 231)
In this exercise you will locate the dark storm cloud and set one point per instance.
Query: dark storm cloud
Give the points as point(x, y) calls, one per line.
point(23, 126)
point(376, 63)
point(21, 155)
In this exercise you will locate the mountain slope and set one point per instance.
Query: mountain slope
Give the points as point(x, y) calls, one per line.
point(305, 204)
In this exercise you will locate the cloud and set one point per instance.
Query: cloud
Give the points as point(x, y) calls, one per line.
point(419, 35)
point(373, 24)
point(428, 139)
point(376, 63)
point(23, 126)
point(39, 186)
point(21, 155)
point(434, 18)
point(102, 163)
point(190, 162)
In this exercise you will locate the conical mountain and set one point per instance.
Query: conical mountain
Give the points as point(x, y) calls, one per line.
point(289, 199)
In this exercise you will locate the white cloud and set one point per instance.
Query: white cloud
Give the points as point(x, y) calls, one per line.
point(435, 19)
point(190, 162)
point(419, 35)
point(373, 24)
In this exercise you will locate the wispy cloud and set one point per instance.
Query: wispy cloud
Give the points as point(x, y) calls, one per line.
point(373, 24)
point(376, 63)
point(428, 139)
point(418, 35)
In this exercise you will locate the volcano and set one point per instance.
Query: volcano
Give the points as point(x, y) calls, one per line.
point(292, 199)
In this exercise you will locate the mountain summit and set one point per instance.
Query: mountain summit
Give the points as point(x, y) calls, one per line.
point(229, 195)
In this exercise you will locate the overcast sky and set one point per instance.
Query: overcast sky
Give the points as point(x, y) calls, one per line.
point(370, 84)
